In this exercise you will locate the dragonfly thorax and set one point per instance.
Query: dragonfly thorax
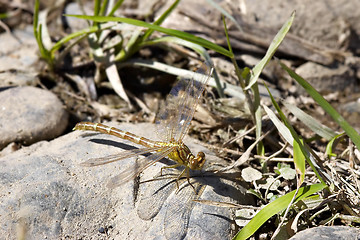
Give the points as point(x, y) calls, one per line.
point(183, 156)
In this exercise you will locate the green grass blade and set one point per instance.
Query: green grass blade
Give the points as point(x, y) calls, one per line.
point(275, 207)
point(258, 116)
point(45, 54)
point(310, 122)
point(161, 19)
point(104, 7)
point(116, 6)
point(299, 160)
point(36, 18)
point(304, 150)
point(97, 4)
point(196, 48)
point(271, 50)
point(225, 13)
point(280, 126)
point(330, 146)
point(355, 137)
point(183, 35)
point(37, 28)
point(74, 35)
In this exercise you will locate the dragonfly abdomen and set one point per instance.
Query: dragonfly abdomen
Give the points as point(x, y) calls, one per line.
point(98, 127)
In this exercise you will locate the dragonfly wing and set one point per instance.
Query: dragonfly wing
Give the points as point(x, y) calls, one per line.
point(174, 119)
point(141, 165)
point(120, 156)
point(179, 210)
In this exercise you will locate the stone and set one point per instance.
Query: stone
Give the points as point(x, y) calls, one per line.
point(325, 79)
point(328, 232)
point(18, 51)
point(29, 114)
point(46, 193)
point(74, 8)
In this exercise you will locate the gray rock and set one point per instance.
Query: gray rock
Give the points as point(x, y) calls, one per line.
point(322, 40)
point(20, 52)
point(351, 107)
point(45, 193)
point(325, 79)
point(330, 233)
point(29, 114)
point(337, 17)
point(18, 78)
point(74, 8)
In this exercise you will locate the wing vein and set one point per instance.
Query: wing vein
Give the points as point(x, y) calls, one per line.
point(131, 173)
point(120, 156)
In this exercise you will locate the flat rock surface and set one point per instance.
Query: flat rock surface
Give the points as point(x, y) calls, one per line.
point(29, 114)
point(45, 193)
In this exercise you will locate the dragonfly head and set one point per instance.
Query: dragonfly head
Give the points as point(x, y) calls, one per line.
point(196, 163)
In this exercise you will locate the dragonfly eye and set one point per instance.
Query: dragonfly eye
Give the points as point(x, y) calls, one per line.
point(196, 163)
point(201, 159)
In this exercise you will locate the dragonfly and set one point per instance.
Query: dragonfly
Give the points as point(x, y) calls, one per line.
point(173, 122)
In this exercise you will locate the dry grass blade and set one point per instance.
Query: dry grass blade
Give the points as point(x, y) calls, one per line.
point(224, 204)
point(246, 156)
point(114, 78)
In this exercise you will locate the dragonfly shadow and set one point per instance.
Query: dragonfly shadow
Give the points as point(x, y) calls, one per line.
point(164, 186)
point(220, 216)
point(160, 188)
point(117, 144)
point(224, 185)
point(178, 206)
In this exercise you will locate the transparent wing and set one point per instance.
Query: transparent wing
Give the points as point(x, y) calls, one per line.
point(141, 165)
point(174, 119)
point(154, 195)
point(120, 156)
point(179, 210)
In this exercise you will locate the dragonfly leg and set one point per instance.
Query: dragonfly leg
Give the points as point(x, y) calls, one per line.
point(188, 178)
point(186, 169)
point(172, 166)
